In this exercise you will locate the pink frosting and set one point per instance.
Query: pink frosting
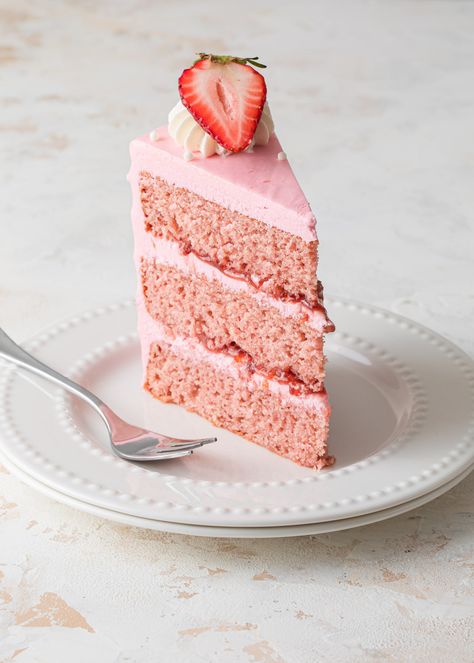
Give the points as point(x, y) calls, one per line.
point(256, 183)
point(151, 331)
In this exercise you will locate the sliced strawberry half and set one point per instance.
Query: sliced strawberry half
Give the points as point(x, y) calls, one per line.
point(225, 95)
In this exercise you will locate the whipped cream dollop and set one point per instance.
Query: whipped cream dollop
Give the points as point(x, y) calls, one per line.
point(184, 129)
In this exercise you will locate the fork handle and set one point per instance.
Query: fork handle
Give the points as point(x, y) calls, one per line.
point(12, 352)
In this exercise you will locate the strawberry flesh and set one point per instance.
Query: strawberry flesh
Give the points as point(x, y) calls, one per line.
point(226, 100)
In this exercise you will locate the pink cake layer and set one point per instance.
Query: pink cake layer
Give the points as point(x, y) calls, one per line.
point(269, 259)
point(193, 306)
point(151, 331)
point(256, 184)
point(223, 390)
point(149, 247)
point(253, 411)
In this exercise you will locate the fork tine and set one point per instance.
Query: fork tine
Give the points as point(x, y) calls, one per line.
point(170, 455)
point(201, 441)
point(163, 455)
point(178, 445)
point(207, 440)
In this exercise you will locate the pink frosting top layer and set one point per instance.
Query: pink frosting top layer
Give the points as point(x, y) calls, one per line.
point(256, 183)
point(150, 331)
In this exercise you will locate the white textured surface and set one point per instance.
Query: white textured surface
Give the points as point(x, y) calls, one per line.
point(389, 171)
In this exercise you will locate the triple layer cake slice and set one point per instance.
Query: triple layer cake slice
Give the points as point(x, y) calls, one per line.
point(231, 315)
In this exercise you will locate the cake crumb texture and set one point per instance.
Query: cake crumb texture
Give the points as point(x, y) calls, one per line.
point(258, 414)
point(193, 306)
point(272, 260)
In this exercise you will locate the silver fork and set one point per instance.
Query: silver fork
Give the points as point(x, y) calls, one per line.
point(129, 442)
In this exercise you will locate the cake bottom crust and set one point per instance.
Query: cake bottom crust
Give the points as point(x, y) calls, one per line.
point(289, 428)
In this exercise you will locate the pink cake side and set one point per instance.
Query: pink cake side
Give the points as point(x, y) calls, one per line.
point(268, 258)
point(288, 427)
point(222, 319)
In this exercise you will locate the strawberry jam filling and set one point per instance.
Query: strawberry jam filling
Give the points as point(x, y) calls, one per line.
point(286, 377)
point(282, 294)
point(257, 284)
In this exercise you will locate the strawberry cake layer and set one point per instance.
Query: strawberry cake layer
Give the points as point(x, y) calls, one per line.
point(265, 189)
point(230, 311)
point(222, 318)
point(149, 248)
point(270, 259)
point(225, 391)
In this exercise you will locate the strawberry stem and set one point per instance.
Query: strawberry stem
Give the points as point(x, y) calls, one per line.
point(225, 59)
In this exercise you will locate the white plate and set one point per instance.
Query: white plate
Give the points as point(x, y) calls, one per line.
point(232, 532)
point(402, 402)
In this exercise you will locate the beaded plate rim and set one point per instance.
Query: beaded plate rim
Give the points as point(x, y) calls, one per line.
point(464, 447)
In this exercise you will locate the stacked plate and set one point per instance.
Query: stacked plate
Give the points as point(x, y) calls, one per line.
point(402, 434)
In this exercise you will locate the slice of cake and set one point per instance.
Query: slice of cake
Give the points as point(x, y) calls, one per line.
point(231, 315)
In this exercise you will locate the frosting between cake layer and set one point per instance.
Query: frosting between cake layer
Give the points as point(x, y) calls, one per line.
point(151, 331)
point(167, 252)
point(256, 184)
